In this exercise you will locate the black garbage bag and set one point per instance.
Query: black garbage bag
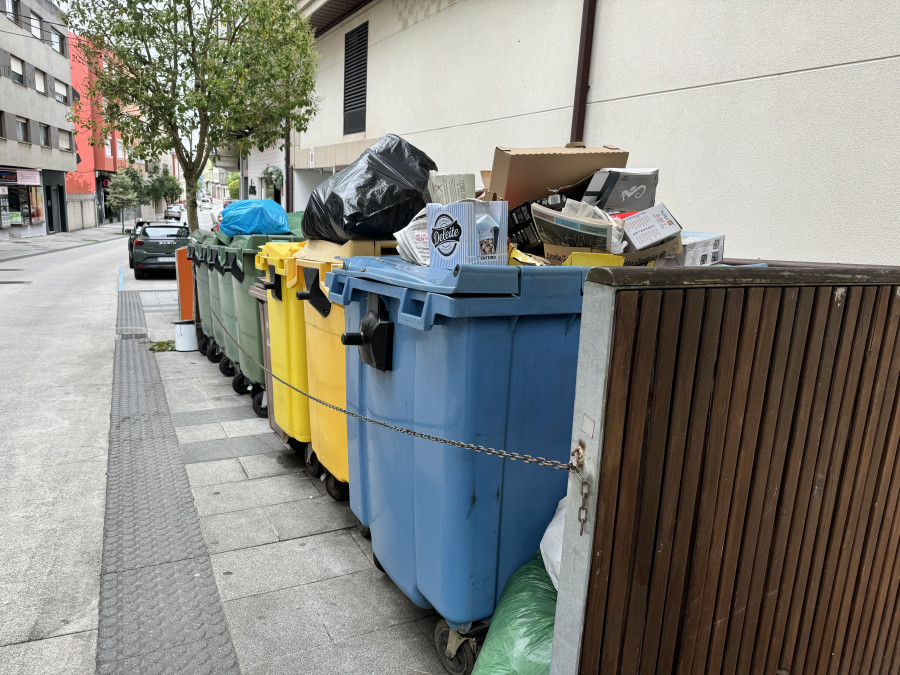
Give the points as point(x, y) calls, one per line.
point(373, 197)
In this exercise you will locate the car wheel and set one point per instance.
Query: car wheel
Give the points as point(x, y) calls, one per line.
point(138, 274)
point(130, 261)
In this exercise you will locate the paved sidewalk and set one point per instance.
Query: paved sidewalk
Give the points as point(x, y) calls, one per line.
point(300, 591)
point(18, 249)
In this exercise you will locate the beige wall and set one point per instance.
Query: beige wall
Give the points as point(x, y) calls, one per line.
point(776, 123)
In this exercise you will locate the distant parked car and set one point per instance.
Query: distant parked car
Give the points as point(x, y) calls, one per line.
point(173, 212)
point(227, 202)
point(205, 203)
point(152, 246)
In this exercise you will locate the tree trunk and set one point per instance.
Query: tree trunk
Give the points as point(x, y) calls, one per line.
point(190, 200)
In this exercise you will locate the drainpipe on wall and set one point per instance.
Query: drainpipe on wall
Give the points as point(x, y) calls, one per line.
point(582, 76)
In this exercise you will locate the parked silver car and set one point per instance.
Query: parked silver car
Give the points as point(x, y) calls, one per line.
point(173, 212)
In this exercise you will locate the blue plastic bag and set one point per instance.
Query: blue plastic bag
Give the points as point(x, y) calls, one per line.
point(254, 216)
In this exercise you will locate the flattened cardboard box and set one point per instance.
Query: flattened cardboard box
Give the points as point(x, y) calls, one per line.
point(522, 174)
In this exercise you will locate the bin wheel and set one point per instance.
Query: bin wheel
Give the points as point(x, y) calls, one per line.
point(337, 490)
point(313, 465)
point(463, 662)
point(138, 274)
point(260, 405)
point(241, 384)
point(202, 346)
point(213, 353)
point(364, 531)
point(297, 446)
point(377, 564)
point(226, 367)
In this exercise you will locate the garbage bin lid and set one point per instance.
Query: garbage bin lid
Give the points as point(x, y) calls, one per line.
point(466, 279)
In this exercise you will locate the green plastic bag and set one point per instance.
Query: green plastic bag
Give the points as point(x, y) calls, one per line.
point(520, 638)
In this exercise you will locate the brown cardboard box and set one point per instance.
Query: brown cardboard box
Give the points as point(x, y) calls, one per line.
point(521, 174)
point(557, 255)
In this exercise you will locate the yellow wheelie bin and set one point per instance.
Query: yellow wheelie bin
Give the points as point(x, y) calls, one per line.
point(326, 367)
point(287, 341)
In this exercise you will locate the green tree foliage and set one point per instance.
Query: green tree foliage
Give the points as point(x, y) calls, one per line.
point(139, 185)
point(123, 193)
point(234, 188)
point(162, 185)
point(191, 76)
point(233, 176)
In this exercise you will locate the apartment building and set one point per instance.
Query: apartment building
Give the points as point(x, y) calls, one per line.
point(769, 122)
point(36, 142)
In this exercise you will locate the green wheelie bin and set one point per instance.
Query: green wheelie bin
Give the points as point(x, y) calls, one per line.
point(197, 253)
point(217, 350)
point(241, 263)
point(228, 366)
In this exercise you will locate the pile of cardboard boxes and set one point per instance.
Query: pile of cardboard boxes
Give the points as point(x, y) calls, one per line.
point(555, 206)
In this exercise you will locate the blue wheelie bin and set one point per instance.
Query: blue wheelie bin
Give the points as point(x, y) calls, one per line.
point(482, 355)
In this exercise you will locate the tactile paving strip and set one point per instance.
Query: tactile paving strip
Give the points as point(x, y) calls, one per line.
point(160, 610)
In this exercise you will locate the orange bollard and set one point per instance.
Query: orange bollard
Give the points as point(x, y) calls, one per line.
point(184, 274)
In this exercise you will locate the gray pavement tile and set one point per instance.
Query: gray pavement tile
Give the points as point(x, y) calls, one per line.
point(240, 529)
point(337, 601)
point(200, 432)
point(237, 412)
point(213, 473)
point(398, 649)
point(248, 427)
point(249, 494)
point(64, 655)
point(272, 464)
point(271, 625)
point(365, 545)
point(320, 485)
point(205, 451)
point(309, 516)
point(288, 563)
point(427, 624)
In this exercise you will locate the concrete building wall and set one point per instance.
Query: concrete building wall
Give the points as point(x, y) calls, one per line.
point(770, 122)
point(82, 211)
point(256, 163)
point(24, 101)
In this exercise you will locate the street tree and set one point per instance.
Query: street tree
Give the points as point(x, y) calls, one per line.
point(161, 184)
point(123, 194)
point(192, 76)
point(234, 188)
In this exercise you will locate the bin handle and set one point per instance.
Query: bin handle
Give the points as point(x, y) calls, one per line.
point(237, 270)
point(290, 272)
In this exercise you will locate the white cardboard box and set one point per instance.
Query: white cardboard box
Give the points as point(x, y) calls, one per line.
point(467, 233)
point(650, 227)
point(700, 249)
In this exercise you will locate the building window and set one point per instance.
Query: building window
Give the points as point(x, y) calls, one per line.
point(16, 70)
point(45, 135)
point(61, 92)
point(2, 126)
point(10, 8)
point(40, 81)
point(356, 56)
point(65, 140)
point(120, 150)
point(35, 21)
point(57, 41)
point(22, 129)
point(108, 146)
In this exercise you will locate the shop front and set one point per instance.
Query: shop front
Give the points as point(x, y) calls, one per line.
point(22, 211)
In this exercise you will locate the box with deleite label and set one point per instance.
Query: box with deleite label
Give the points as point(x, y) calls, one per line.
point(467, 233)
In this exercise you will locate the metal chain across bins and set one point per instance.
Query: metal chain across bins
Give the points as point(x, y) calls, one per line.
point(573, 466)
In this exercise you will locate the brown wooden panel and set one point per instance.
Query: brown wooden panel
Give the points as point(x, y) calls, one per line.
point(833, 482)
point(875, 456)
point(792, 512)
point(632, 459)
point(784, 471)
point(693, 463)
point(867, 605)
point(751, 334)
point(688, 352)
point(843, 526)
point(748, 518)
point(743, 523)
point(712, 465)
point(657, 427)
point(624, 325)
